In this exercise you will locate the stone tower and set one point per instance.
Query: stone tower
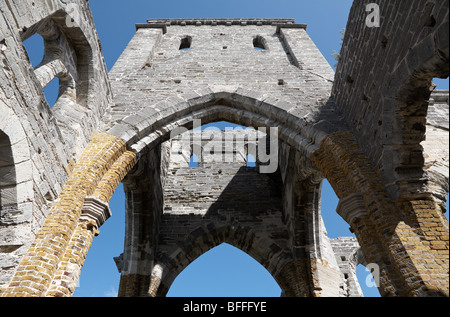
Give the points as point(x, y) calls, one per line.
point(374, 130)
point(214, 70)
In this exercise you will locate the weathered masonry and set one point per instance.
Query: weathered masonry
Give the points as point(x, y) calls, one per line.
point(376, 130)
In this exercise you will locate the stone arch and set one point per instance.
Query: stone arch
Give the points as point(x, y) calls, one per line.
point(16, 171)
point(240, 275)
point(146, 133)
point(43, 152)
point(8, 173)
point(115, 163)
point(427, 59)
point(109, 159)
point(297, 274)
point(390, 232)
point(73, 221)
point(378, 221)
point(16, 190)
point(260, 43)
point(69, 56)
point(206, 238)
point(149, 127)
point(394, 103)
point(409, 179)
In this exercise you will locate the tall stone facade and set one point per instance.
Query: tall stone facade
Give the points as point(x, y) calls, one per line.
point(375, 130)
point(39, 145)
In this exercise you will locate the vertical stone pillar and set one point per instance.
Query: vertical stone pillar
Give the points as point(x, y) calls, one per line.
point(144, 205)
point(386, 231)
point(353, 210)
point(294, 279)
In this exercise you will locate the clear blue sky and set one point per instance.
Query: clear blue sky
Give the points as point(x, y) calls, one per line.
point(223, 271)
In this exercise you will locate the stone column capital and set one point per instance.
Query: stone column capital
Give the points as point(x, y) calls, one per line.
point(352, 207)
point(95, 210)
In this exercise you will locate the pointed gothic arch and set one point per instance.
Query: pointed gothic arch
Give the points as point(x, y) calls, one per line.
point(312, 130)
point(122, 160)
point(239, 276)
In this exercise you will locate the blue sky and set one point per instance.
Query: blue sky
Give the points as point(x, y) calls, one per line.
point(225, 270)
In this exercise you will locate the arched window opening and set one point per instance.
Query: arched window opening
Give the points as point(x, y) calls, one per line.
point(224, 271)
point(34, 47)
point(51, 92)
point(7, 174)
point(259, 43)
point(185, 43)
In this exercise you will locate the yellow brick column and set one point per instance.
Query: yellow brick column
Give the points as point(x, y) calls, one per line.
point(402, 242)
point(94, 213)
point(425, 217)
point(40, 264)
point(69, 269)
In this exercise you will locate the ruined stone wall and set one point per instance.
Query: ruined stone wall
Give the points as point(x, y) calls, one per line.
point(265, 215)
point(39, 144)
point(383, 84)
point(254, 72)
point(216, 203)
point(310, 243)
point(382, 87)
point(436, 145)
point(289, 73)
point(183, 69)
point(144, 203)
point(348, 256)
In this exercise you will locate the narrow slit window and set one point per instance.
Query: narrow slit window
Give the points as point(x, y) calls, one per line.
point(185, 43)
point(8, 195)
